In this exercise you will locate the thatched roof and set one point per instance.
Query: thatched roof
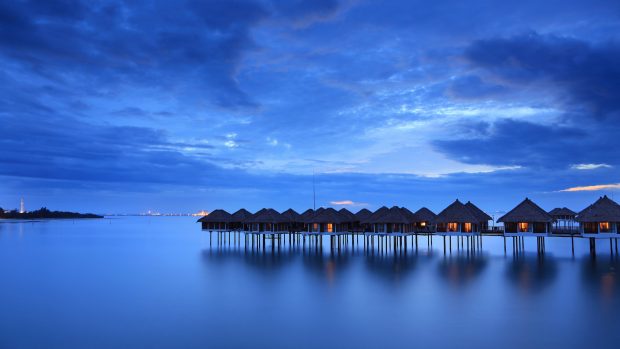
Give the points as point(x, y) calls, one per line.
point(394, 215)
point(267, 215)
point(410, 215)
point(350, 216)
point(483, 217)
point(603, 210)
point(291, 216)
point(374, 217)
point(241, 216)
point(363, 214)
point(457, 212)
point(562, 211)
point(526, 211)
point(307, 215)
point(424, 215)
point(217, 216)
point(328, 215)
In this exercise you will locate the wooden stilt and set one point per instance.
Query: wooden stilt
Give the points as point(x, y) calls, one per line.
point(444, 244)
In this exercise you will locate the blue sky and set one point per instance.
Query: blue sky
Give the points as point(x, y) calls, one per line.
point(126, 106)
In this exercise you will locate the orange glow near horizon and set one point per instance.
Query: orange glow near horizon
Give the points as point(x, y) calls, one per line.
point(342, 202)
point(592, 187)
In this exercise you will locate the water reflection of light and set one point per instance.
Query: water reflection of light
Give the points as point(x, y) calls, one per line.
point(330, 271)
point(608, 283)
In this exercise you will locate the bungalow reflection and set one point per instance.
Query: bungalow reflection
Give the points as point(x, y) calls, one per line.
point(601, 275)
point(462, 268)
point(394, 268)
point(532, 272)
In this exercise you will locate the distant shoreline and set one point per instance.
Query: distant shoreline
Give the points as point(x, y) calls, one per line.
point(44, 213)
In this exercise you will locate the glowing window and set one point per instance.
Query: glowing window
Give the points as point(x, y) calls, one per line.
point(330, 228)
point(423, 224)
point(524, 227)
point(604, 227)
point(467, 227)
point(315, 227)
point(452, 226)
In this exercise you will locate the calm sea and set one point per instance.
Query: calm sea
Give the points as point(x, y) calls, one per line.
point(159, 282)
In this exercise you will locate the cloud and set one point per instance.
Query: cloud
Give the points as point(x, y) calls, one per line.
point(191, 46)
point(509, 142)
point(589, 166)
point(304, 12)
point(584, 81)
point(367, 90)
point(588, 73)
point(597, 187)
point(473, 87)
point(348, 203)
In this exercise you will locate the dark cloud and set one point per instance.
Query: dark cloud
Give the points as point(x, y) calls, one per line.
point(585, 75)
point(195, 43)
point(306, 9)
point(588, 73)
point(508, 142)
point(69, 149)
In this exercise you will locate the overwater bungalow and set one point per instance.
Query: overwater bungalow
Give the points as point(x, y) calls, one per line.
point(482, 216)
point(410, 226)
point(348, 214)
point(306, 217)
point(564, 219)
point(327, 220)
point(362, 219)
point(459, 219)
point(369, 221)
point(423, 219)
point(393, 220)
point(218, 220)
point(239, 220)
point(600, 220)
point(293, 220)
point(527, 219)
point(268, 220)
point(353, 223)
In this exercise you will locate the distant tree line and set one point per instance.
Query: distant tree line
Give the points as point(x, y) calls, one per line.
point(43, 212)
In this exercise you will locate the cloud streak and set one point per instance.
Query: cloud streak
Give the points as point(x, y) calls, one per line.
point(589, 166)
point(597, 187)
point(347, 203)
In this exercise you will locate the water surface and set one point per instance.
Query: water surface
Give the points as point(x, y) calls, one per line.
point(159, 282)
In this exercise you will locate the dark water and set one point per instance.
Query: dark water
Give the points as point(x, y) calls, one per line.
point(156, 283)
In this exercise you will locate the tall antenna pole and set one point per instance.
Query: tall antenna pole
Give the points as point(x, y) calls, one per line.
point(313, 192)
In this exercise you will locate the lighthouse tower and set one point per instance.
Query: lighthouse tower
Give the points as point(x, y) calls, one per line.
point(22, 208)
